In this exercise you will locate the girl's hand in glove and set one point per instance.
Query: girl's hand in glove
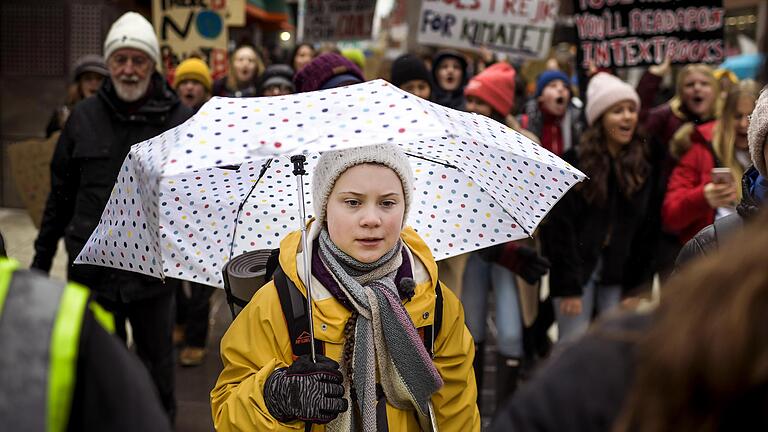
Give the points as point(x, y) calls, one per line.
point(311, 392)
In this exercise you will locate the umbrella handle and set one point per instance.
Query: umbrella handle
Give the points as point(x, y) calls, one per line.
point(432, 418)
point(299, 171)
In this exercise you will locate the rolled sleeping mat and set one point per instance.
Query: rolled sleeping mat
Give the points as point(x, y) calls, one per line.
point(243, 276)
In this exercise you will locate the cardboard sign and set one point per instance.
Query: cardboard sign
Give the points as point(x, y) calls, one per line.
point(626, 33)
point(335, 20)
point(30, 163)
point(521, 28)
point(186, 28)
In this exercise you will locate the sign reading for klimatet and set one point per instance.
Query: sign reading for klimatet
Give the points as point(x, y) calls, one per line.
point(335, 20)
point(517, 27)
point(625, 33)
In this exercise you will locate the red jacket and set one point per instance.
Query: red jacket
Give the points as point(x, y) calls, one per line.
point(685, 210)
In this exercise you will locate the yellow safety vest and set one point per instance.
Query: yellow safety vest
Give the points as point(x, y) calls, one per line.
point(40, 325)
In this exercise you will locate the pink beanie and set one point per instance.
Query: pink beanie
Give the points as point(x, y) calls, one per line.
point(495, 86)
point(603, 91)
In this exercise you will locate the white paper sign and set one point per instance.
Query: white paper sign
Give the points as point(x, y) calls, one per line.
point(517, 27)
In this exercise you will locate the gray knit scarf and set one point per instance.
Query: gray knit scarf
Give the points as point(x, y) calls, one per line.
point(385, 340)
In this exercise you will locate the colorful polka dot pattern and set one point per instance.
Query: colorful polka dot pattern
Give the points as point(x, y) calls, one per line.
point(174, 210)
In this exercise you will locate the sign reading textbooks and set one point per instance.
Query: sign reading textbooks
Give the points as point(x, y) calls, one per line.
point(626, 33)
point(335, 20)
point(520, 28)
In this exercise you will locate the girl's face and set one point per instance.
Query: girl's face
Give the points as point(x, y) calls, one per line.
point(244, 62)
point(365, 211)
point(619, 122)
point(449, 74)
point(90, 83)
point(303, 56)
point(744, 108)
point(417, 87)
point(479, 106)
point(697, 94)
point(554, 98)
point(192, 93)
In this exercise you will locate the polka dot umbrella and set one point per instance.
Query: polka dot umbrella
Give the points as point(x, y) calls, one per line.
point(189, 199)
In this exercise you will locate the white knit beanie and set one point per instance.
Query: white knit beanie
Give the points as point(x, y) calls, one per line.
point(758, 131)
point(603, 91)
point(132, 31)
point(332, 165)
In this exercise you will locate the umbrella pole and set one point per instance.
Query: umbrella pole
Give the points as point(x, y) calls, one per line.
point(300, 172)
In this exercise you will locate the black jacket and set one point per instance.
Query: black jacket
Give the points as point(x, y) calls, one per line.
point(576, 234)
point(582, 388)
point(104, 400)
point(708, 239)
point(87, 160)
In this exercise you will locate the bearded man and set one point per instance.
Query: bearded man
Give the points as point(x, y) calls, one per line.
point(133, 104)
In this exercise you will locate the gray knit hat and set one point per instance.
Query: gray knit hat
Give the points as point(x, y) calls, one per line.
point(332, 165)
point(758, 130)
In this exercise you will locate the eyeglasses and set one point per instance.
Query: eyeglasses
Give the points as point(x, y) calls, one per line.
point(119, 60)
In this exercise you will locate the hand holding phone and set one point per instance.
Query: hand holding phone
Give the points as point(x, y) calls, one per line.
point(722, 176)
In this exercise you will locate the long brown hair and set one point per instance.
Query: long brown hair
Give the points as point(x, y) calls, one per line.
point(703, 366)
point(630, 165)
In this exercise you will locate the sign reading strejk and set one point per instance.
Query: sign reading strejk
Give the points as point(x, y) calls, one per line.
point(336, 20)
point(517, 27)
point(626, 33)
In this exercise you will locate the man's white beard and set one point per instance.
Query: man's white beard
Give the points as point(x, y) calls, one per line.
point(133, 89)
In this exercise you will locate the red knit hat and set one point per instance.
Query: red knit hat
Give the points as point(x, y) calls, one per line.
point(496, 86)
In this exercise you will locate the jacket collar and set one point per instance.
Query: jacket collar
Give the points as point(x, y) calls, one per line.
point(750, 204)
point(422, 264)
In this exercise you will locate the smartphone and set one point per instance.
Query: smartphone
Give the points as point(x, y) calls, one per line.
point(722, 175)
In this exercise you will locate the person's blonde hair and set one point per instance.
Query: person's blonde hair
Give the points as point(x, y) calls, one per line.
point(676, 103)
point(723, 141)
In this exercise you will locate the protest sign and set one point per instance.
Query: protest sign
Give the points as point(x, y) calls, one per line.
point(186, 28)
point(520, 28)
point(30, 163)
point(335, 20)
point(626, 33)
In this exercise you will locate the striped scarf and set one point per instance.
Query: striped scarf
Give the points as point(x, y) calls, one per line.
point(385, 340)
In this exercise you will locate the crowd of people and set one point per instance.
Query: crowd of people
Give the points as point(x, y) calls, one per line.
point(666, 183)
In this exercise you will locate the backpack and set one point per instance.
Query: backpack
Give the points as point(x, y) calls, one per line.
point(294, 306)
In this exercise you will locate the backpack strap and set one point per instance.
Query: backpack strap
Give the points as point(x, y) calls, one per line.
point(273, 262)
point(429, 333)
point(294, 306)
point(726, 225)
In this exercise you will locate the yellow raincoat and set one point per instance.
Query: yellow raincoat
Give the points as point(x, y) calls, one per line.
point(257, 343)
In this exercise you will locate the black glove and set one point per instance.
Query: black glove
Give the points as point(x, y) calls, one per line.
point(531, 266)
point(311, 392)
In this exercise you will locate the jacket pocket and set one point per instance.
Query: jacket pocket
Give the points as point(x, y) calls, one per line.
point(98, 166)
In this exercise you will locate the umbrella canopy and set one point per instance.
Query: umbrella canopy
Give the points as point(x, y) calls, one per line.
point(189, 199)
point(745, 66)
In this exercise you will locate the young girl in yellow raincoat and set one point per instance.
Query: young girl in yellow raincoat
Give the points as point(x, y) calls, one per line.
point(367, 312)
